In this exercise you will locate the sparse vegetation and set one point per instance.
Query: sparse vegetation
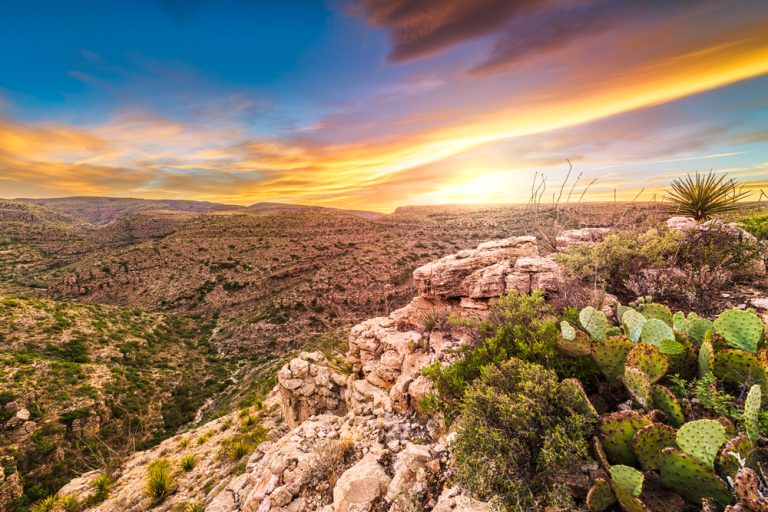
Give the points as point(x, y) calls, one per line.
point(188, 462)
point(160, 482)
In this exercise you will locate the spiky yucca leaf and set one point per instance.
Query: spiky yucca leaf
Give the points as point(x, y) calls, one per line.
point(702, 196)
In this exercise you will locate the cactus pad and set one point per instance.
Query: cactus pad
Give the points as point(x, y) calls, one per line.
point(702, 440)
point(706, 358)
point(691, 479)
point(628, 502)
point(658, 498)
point(751, 412)
point(611, 355)
point(633, 324)
point(665, 401)
point(678, 322)
point(573, 396)
point(600, 496)
point(579, 346)
point(747, 488)
point(671, 347)
point(616, 431)
point(728, 463)
point(600, 454)
point(657, 311)
point(738, 367)
point(648, 360)
point(629, 479)
point(655, 331)
point(594, 322)
point(648, 442)
point(697, 327)
point(741, 329)
point(567, 331)
point(638, 385)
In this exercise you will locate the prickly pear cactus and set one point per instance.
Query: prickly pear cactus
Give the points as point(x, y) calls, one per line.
point(706, 358)
point(602, 458)
point(567, 331)
point(638, 385)
point(738, 367)
point(665, 401)
point(655, 331)
point(649, 441)
point(594, 322)
point(616, 431)
point(573, 396)
point(702, 440)
point(671, 347)
point(628, 502)
point(741, 329)
point(611, 355)
point(657, 311)
point(629, 479)
point(649, 360)
point(751, 412)
point(697, 327)
point(691, 479)
point(600, 496)
point(633, 322)
point(730, 458)
point(747, 488)
point(579, 346)
point(678, 323)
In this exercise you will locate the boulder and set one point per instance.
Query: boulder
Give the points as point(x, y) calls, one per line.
point(360, 486)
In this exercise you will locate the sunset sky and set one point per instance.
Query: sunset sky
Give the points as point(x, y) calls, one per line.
point(378, 103)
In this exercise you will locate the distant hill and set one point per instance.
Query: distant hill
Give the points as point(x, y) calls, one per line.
point(283, 207)
point(105, 210)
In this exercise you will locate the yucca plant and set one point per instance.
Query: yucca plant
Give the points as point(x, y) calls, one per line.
point(702, 196)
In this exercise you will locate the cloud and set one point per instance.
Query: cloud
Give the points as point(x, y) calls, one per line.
point(419, 28)
point(518, 29)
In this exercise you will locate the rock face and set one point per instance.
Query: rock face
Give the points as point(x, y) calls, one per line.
point(580, 236)
point(10, 488)
point(458, 274)
point(307, 386)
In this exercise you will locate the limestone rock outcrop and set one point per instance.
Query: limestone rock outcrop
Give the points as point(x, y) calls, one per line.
point(308, 386)
point(580, 236)
point(456, 275)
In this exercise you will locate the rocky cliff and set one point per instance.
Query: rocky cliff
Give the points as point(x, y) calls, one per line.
point(346, 434)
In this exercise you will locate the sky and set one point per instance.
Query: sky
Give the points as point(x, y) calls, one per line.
point(375, 104)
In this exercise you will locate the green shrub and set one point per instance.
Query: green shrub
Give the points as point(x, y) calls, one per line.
point(682, 268)
point(160, 481)
point(757, 225)
point(188, 462)
point(521, 326)
point(514, 435)
point(610, 263)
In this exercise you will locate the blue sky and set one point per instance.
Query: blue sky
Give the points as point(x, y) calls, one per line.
point(377, 103)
